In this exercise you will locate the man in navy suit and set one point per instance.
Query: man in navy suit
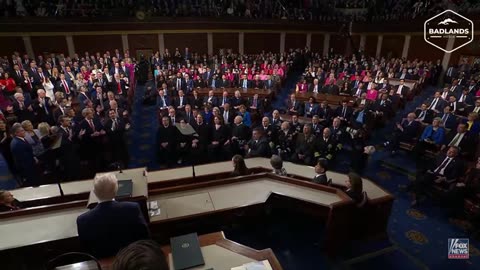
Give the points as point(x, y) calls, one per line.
point(404, 132)
point(444, 171)
point(449, 120)
point(23, 158)
point(111, 225)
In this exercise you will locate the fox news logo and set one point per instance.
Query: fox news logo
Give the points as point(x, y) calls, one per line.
point(458, 248)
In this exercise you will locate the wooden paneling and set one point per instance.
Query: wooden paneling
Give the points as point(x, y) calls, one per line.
point(317, 43)
point(100, 43)
point(356, 43)
point(338, 43)
point(371, 45)
point(55, 44)
point(195, 42)
point(294, 41)
point(139, 42)
point(392, 45)
point(257, 42)
point(225, 41)
point(470, 49)
point(9, 45)
point(422, 50)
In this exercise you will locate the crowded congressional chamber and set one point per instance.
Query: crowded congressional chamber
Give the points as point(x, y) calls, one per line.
point(239, 134)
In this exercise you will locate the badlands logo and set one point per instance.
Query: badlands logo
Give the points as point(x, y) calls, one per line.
point(448, 25)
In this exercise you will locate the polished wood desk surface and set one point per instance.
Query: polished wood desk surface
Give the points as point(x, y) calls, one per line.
point(219, 253)
point(38, 228)
point(74, 187)
point(372, 189)
point(235, 195)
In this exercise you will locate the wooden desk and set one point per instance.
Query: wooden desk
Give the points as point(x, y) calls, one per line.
point(372, 189)
point(222, 195)
point(75, 190)
point(219, 253)
point(39, 228)
point(218, 92)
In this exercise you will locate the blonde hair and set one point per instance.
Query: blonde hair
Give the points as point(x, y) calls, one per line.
point(44, 128)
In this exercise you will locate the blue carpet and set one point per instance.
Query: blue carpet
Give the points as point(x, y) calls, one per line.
point(142, 137)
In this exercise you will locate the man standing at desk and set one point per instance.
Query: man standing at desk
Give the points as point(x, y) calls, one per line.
point(111, 225)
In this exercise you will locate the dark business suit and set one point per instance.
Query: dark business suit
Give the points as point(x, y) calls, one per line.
point(258, 148)
point(451, 172)
point(320, 179)
point(111, 226)
point(22, 153)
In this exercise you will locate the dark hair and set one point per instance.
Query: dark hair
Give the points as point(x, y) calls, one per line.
point(356, 182)
point(239, 165)
point(322, 163)
point(143, 254)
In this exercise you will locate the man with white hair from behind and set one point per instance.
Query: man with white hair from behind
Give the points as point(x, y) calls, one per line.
point(111, 225)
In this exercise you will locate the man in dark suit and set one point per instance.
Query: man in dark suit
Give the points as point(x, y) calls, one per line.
point(116, 127)
point(436, 103)
point(180, 102)
point(449, 120)
point(118, 86)
point(22, 108)
point(330, 89)
point(358, 90)
point(210, 99)
point(294, 106)
point(42, 108)
point(111, 225)
point(258, 145)
point(17, 74)
point(475, 108)
point(255, 103)
point(401, 89)
point(344, 112)
point(321, 170)
point(444, 171)
point(461, 139)
point(23, 158)
point(162, 101)
point(423, 114)
point(65, 86)
point(91, 133)
point(228, 114)
point(188, 85)
point(68, 155)
point(245, 83)
point(404, 132)
point(257, 83)
point(224, 83)
point(224, 99)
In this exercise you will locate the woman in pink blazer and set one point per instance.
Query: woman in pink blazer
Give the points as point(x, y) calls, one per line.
point(372, 94)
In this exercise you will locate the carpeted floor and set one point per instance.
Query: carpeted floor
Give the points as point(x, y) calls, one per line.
point(417, 237)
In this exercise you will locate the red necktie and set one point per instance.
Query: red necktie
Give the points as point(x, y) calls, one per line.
point(119, 89)
point(65, 85)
